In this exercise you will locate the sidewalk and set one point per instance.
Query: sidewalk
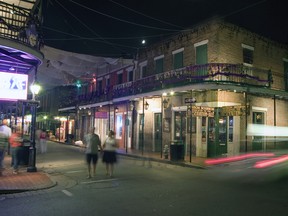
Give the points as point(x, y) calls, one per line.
point(196, 162)
point(29, 181)
point(23, 181)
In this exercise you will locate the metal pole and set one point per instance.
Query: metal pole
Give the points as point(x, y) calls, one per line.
point(143, 108)
point(246, 119)
point(126, 127)
point(161, 126)
point(32, 150)
point(132, 126)
point(109, 116)
point(191, 129)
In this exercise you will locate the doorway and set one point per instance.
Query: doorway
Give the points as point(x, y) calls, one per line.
point(157, 132)
point(258, 141)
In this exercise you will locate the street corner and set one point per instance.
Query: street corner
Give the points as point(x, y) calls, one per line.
point(24, 181)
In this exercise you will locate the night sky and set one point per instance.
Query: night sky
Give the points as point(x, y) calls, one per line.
point(116, 28)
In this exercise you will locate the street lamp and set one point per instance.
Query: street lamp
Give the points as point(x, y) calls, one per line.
point(35, 88)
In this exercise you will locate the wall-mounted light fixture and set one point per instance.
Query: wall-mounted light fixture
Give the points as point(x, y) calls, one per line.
point(131, 105)
point(165, 103)
point(116, 109)
point(146, 106)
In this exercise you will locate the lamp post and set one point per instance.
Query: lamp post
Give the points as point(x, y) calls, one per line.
point(35, 88)
point(190, 101)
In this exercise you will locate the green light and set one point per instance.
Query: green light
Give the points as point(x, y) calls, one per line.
point(78, 84)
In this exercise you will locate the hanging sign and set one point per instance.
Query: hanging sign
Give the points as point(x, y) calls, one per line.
point(190, 100)
point(13, 86)
point(233, 110)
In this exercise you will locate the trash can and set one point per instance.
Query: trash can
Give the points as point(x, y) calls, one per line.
point(24, 153)
point(177, 150)
point(70, 138)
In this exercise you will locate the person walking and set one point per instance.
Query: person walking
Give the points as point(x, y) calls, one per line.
point(92, 143)
point(109, 153)
point(16, 142)
point(43, 141)
point(5, 133)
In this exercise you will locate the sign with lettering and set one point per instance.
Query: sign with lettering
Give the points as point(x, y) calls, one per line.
point(190, 100)
point(233, 110)
point(101, 115)
point(202, 111)
point(13, 86)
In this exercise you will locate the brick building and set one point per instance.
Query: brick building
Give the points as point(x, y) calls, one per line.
point(197, 91)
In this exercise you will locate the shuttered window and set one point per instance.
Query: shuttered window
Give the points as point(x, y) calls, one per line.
point(159, 66)
point(286, 74)
point(178, 60)
point(201, 55)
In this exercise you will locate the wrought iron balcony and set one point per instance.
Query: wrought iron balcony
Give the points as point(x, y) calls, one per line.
point(19, 23)
point(235, 74)
point(20, 35)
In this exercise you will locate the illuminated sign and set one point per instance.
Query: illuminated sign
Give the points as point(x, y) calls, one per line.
point(13, 86)
point(101, 115)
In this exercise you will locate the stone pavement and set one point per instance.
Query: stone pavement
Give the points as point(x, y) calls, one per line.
point(23, 181)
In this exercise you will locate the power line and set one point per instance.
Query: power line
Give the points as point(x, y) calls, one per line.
point(78, 37)
point(122, 20)
point(146, 15)
point(83, 38)
point(105, 41)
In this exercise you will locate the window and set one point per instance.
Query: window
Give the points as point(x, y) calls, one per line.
point(247, 54)
point(201, 52)
point(178, 58)
point(201, 56)
point(159, 63)
point(107, 81)
point(143, 69)
point(119, 125)
point(231, 125)
point(119, 78)
point(285, 61)
point(99, 85)
point(130, 76)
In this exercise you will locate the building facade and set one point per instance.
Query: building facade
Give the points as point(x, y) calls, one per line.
point(20, 56)
point(198, 92)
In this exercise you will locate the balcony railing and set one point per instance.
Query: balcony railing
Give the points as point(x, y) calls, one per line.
point(19, 23)
point(236, 74)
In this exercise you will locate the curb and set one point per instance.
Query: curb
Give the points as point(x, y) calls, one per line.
point(176, 163)
point(30, 189)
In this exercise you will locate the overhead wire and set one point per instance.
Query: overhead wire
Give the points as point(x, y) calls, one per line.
point(122, 20)
point(77, 37)
point(142, 14)
point(80, 38)
point(123, 38)
point(104, 40)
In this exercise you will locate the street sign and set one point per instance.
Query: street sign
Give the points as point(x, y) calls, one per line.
point(190, 100)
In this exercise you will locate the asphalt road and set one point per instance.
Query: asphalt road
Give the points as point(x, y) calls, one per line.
point(143, 188)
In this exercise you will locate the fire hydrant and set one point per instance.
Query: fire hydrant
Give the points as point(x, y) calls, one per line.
point(166, 151)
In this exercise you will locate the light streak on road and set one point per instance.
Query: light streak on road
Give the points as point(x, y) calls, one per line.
point(237, 158)
point(271, 162)
point(266, 130)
